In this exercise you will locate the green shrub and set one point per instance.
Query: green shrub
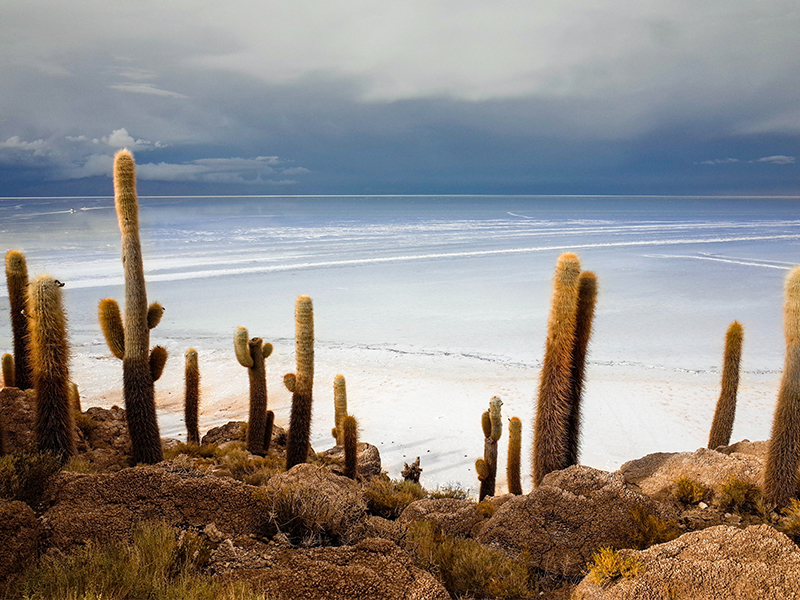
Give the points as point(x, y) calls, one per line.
point(24, 475)
point(689, 491)
point(465, 567)
point(157, 565)
point(650, 529)
point(739, 495)
point(386, 498)
point(608, 566)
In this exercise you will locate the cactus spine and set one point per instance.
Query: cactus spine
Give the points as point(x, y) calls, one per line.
point(722, 426)
point(340, 408)
point(252, 353)
point(783, 454)
point(514, 456)
point(587, 297)
point(553, 407)
point(8, 370)
point(130, 340)
point(350, 431)
point(191, 397)
point(54, 420)
point(17, 281)
point(300, 419)
point(492, 424)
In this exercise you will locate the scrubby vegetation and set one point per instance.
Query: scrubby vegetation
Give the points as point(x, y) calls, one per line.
point(387, 498)
point(739, 495)
point(608, 565)
point(650, 529)
point(690, 491)
point(25, 475)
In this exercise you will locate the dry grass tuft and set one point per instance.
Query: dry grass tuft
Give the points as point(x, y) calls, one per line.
point(651, 529)
point(454, 491)
point(739, 495)
point(790, 523)
point(386, 498)
point(608, 566)
point(690, 491)
point(192, 451)
point(25, 475)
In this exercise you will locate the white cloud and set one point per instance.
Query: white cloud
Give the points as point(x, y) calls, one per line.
point(719, 161)
point(36, 147)
point(120, 138)
point(145, 88)
point(778, 159)
point(295, 171)
point(213, 170)
point(95, 165)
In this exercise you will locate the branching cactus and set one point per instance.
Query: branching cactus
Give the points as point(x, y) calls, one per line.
point(191, 401)
point(17, 280)
point(587, 297)
point(252, 353)
point(54, 419)
point(350, 430)
point(8, 370)
point(492, 424)
point(554, 404)
point(301, 384)
point(514, 456)
point(722, 426)
point(130, 341)
point(783, 454)
point(340, 408)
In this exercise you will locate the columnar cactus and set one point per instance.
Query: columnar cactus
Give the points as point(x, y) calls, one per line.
point(17, 280)
point(8, 370)
point(268, 431)
point(131, 341)
point(722, 426)
point(554, 404)
point(74, 397)
point(350, 430)
point(492, 424)
point(191, 403)
point(54, 418)
point(783, 454)
point(340, 408)
point(252, 353)
point(587, 296)
point(514, 456)
point(301, 384)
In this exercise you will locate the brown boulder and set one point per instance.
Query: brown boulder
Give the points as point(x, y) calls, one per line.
point(565, 520)
point(236, 431)
point(19, 532)
point(368, 459)
point(655, 474)
point(719, 562)
point(373, 568)
point(17, 417)
point(454, 517)
point(105, 507)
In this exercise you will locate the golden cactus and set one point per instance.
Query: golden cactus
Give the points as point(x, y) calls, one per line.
point(300, 419)
point(17, 281)
point(340, 408)
point(724, 415)
point(350, 430)
point(492, 424)
point(191, 398)
point(252, 353)
point(514, 456)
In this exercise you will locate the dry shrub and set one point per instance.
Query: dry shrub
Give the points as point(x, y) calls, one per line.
point(790, 523)
point(76, 464)
point(192, 451)
point(650, 529)
point(253, 470)
point(608, 566)
point(24, 475)
point(486, 509)
point(386, 498)
point(465, 567)
point(690, 491)
point(85, 423)
point(739, 495)
point(454, 491)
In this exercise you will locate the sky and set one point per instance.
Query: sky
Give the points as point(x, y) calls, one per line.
point(412, 97)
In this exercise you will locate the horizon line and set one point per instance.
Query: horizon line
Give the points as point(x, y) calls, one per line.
point(111, 196)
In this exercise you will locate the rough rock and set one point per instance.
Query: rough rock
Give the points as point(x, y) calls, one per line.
point(654, 474)
point(104, 441)
point(16, 417)
point(719, 562)
point(758, 449)
point(454, 517)
point(374, 568)
point(368, 459)
point(19, 531)
point(565, 520)
point(378, 527)
point(105, 507)
point(236, 431)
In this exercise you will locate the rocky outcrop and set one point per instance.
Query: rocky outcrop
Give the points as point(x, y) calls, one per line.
point(719, 562)
point(565, 520)
point(232, 431)
point(374, 568)
point(19, 532)
point(655, 474)
point(368, 459)
point(454, 517)
point(105, 507)
point(16, 417)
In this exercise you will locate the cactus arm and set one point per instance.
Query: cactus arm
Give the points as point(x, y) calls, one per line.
point(266, 350)
point(111, 324)
point(158, 358)
point(241, 346)
point(290, 381)
point(495, 418)
point(154, 313)
point(8, 370)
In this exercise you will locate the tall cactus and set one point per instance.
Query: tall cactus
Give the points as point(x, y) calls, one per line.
point(54, 419)
point(131, 341)
point(17, 281)
point(252, 353)
point(339, 407)
point(514, 456)
point(587, 296)
point(783, 454)
point(492, 424)
point(722, 426)
point(191, 399)
point(301, 384)
point(554, 406)
point(350, 442)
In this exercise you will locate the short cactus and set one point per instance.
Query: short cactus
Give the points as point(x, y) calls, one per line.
point(783, 454)
point(350, 430)
point(74, 397)
point(268, 430)
point(492, 425)
point(722, 425)
point(8, 370)
point(54, 420)
point(191, 403)
point(130, 341)
point(514, 456)
point(252, 353)
point(554, 404)
point(301, 384)
point(17, 281)
point(340, 408)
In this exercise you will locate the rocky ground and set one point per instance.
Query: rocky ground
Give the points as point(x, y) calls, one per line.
point(686, 525)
